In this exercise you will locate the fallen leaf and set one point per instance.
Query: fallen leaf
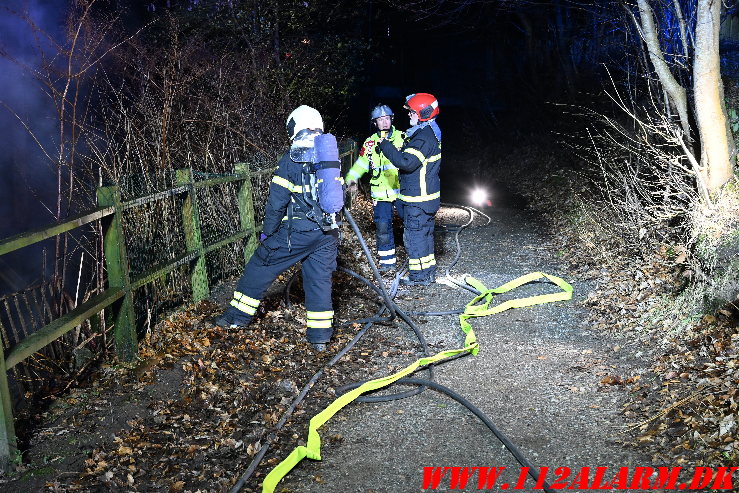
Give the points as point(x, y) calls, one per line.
point(124, 450)
point(612, 380)
point(177, 487)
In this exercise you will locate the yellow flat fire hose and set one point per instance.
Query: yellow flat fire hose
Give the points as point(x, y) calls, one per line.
point(478, 307)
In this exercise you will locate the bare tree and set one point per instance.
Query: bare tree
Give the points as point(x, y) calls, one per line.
point(676, 92)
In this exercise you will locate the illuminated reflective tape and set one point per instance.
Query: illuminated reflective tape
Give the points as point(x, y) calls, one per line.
point(435, 157)
point(478, 307)
point(319, 324)
point(238, 296)
point(419, 198)
point(243, 307)
point(417, 153)
point(428, 261)
point(387, 261)
point(320, 315)
point(244, 303)
point(354, 174)
point(386, 194)
point(386, 252)
point(362, 163)
point(278, 180)
point(422, 180)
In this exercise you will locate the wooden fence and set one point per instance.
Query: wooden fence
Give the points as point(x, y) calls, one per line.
point(121, 284)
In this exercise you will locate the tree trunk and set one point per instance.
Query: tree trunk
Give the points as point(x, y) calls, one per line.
point(709, 104)
point(683, 29)
point(675, 91)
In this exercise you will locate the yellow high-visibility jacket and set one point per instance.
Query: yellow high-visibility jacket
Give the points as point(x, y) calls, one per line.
point(384, 184)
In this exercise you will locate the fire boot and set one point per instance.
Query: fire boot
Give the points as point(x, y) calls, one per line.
point(233, 318)
point(319, 337)
point(407, 281)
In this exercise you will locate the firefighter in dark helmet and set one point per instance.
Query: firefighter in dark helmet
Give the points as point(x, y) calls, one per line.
point(418, 162)
point(384, 186)
point(299, 226)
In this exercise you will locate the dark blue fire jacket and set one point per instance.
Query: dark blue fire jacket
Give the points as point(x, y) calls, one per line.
point(286, 181)
point(418, 161)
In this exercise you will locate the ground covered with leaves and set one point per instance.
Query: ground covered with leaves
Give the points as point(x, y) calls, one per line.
point(201, 400)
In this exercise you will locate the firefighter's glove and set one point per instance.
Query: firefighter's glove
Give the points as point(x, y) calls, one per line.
point(352, 186)
point(326, 148)
point(262, 237)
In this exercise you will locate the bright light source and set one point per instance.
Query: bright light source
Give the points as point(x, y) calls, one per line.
point(479, 196)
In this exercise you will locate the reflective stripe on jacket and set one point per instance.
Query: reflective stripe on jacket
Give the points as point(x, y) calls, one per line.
point(418, 162)
point(286, 181)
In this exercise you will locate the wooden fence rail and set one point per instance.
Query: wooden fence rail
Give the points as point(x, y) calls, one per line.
point(121, 285)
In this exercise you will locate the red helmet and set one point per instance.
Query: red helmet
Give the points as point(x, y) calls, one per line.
point(424, 104)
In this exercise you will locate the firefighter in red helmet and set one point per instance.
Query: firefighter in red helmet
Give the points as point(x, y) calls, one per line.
point(418, 162)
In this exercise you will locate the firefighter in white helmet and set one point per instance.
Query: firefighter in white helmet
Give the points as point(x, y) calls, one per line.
point(299, 226)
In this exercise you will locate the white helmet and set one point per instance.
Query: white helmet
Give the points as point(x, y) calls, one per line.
point(301, 118)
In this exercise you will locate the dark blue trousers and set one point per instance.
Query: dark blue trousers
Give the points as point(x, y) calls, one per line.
point(317, 251)
point(418, 238)
point(383, 217)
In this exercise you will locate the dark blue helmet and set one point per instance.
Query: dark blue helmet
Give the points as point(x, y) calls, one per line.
point(380, 110)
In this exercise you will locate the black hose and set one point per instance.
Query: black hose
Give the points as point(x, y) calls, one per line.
point(389, 305)
point(286, 415)
point(456, 229)
point(477, 412)
point(422, 384)
point(437, 314)
point(389, 302)
point(424, 346)
point(471, 211)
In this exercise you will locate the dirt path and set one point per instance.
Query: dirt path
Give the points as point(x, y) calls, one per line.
point(537, 376)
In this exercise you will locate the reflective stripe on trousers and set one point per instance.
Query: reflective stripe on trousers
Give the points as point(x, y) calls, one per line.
point(383, 217)
point(418, 237)
point(245, 303)
point(316, 251)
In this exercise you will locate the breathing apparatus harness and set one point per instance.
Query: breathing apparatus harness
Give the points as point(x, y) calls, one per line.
point(321, 196)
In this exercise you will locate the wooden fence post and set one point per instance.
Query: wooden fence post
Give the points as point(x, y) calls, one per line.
point(193, 237)
point(8, 444)
point(246, 210)
point(347, 161)
point(116, 261)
